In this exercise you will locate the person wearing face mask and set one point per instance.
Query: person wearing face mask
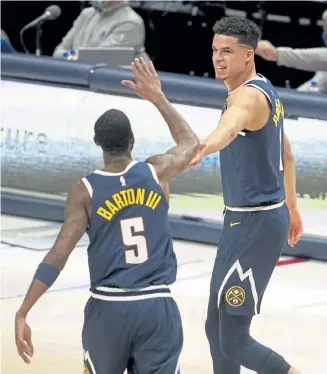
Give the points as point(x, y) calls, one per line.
point(105, 24)
point(309, 59)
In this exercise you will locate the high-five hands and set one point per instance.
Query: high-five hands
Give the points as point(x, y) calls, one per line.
point(147, 85)
point(199, 156)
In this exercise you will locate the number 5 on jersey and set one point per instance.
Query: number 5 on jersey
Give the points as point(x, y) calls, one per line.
point(139, 253)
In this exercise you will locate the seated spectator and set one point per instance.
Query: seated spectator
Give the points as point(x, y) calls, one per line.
point(310, 59)
point(105, 24)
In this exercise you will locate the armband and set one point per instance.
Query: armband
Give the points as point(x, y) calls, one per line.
point(46, 273)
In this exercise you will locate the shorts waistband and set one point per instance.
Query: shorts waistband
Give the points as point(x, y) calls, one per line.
point(255, 208)
point(130, 294)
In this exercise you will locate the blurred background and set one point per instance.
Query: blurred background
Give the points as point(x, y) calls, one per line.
point(61, 67)
point(178, 34)
point(62, 63)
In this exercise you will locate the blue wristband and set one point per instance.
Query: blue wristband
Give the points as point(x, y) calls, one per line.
point(46, 273)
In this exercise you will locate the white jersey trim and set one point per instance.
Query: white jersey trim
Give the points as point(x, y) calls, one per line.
point(154, 173)
point(131, 298)
point(121, 290)
point(120, 293)
point(260, 89)
point(88, 358)
point(242, 275)
point(107, 173)
point(88, 186)
point(254, 208)
point(258, 77)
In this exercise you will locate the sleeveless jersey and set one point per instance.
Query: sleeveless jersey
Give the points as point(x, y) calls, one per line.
point(130, 237)
point(252, 164)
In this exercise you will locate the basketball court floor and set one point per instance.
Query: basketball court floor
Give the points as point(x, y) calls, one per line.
point(293, 319)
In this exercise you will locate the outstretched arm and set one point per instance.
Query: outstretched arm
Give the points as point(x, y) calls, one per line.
point(308, 59)
point(248, 109)
point(177, 159)
point(76, 221)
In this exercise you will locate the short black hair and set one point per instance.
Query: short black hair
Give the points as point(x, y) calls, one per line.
point(113, 131)
point(246, 31)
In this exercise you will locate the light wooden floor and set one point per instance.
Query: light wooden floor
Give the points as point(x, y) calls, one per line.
point(293, 319)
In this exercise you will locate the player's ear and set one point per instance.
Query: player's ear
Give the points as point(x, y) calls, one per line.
point(249, 54)
point(131, 142)
point(95, 140)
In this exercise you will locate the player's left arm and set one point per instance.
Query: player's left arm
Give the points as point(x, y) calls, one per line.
point(73, 228)
point(248, 108)
point(296, 224)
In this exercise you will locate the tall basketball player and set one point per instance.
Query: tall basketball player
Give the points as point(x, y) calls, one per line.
point(258, 176)
point(131, 320)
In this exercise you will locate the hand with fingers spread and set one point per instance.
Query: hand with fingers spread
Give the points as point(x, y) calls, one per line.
point(147, 85)
point(23, 336)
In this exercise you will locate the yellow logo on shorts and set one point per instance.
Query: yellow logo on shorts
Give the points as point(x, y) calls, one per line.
point(234, 223)
point(235, 296)
point(86, 370)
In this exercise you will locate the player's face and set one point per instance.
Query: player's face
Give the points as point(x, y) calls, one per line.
point(229, 58)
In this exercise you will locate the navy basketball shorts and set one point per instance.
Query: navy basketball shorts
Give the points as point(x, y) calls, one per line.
point(144, 336)
point(248, 251)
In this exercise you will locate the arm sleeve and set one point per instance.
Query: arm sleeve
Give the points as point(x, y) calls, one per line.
point(311, 59)
point(67, 41)
point(131, 34)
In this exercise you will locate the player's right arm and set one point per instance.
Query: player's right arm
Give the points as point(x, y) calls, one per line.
point(75, 225)
point(296, 225)
point(177, 159)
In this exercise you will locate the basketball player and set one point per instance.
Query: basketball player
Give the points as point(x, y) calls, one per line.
point(257, 170)
point(131, 319)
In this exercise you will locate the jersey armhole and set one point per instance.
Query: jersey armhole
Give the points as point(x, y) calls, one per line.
point(263, 91)
point(154, 173)
point(88, 186)
point(267, 97)
point(155, 177)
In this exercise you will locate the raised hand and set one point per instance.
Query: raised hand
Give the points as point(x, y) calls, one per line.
point(147, 85)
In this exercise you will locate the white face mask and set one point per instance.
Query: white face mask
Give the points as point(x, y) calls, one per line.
point(99, 5)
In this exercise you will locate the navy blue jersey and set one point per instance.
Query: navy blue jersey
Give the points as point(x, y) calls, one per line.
point(130, 237)
point(252, 165)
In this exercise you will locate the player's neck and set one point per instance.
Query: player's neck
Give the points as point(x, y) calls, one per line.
point(246, 75)
point(116, 162)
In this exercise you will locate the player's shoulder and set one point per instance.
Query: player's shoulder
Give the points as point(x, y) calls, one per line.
point(246, 95)
point(130, 15)
point(87, 12)
point(79, 191)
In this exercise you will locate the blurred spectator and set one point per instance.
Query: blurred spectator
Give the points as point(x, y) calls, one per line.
point(310, 59)
point(6, 46)
point(105, 24)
